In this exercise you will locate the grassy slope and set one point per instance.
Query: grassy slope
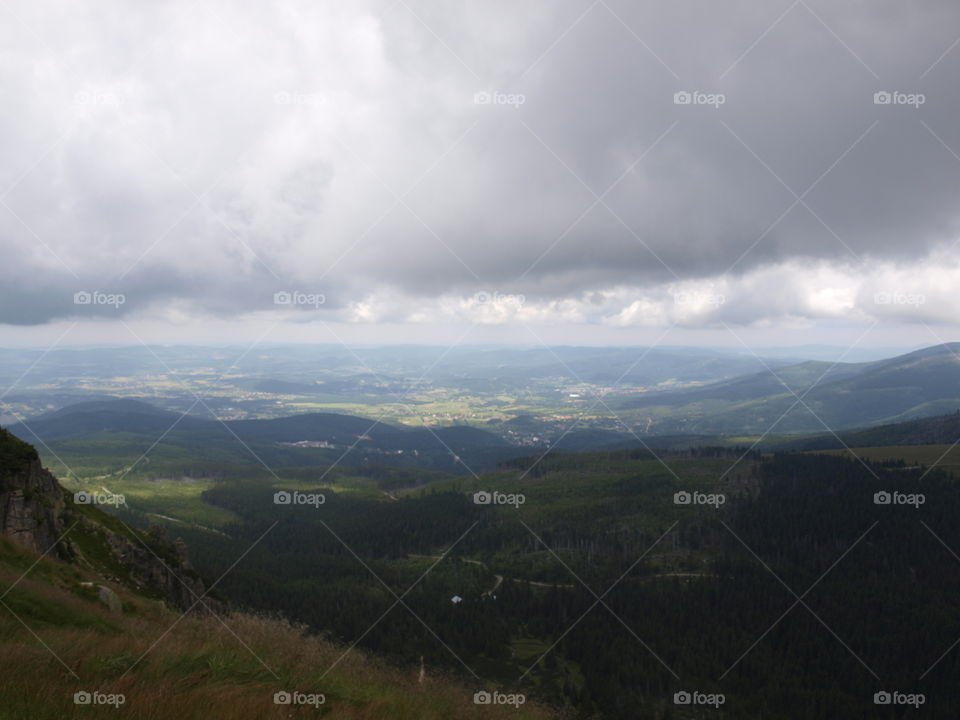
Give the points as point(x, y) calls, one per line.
point(191, 668)
point(179, 500)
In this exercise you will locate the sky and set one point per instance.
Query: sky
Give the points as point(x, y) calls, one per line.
point(741, 173)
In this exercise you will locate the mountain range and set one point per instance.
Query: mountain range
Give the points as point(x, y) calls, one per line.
point(810, 396)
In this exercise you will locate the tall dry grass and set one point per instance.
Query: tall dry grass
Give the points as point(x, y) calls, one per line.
point(170, 666)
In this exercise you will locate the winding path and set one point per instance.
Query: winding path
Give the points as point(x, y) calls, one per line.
point(537, 583)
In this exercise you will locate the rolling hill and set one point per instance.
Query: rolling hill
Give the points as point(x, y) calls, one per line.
point(937, 430)
point(841, 396)
point(124, 429)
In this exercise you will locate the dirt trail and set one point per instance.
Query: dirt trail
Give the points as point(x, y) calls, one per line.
point(536, 583)
point(501, 578)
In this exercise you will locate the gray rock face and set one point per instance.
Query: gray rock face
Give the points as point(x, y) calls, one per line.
point(31, 501)
point(170, 575)
point(109, 598)
point(34, 512)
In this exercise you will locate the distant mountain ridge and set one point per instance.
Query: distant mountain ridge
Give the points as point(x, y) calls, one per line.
point(117, 414)
point(451, 448)
point(126, 414)
point(841, 396)
point(937, 430)
point(835, 397)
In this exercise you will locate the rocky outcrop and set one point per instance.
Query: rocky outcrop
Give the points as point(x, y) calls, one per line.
point(35, 511)
point(107, 596)
point(162, 566)
point(31, 499)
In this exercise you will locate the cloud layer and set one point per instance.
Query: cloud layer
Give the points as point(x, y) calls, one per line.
point(613, 163)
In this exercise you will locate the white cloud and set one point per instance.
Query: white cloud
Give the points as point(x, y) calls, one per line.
point(338, 149)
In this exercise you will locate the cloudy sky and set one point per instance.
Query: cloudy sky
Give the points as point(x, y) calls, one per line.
point(410, 170)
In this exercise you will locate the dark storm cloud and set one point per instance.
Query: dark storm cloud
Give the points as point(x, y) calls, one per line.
point(431, 149)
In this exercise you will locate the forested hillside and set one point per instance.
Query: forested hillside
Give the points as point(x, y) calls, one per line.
point(697, 597)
